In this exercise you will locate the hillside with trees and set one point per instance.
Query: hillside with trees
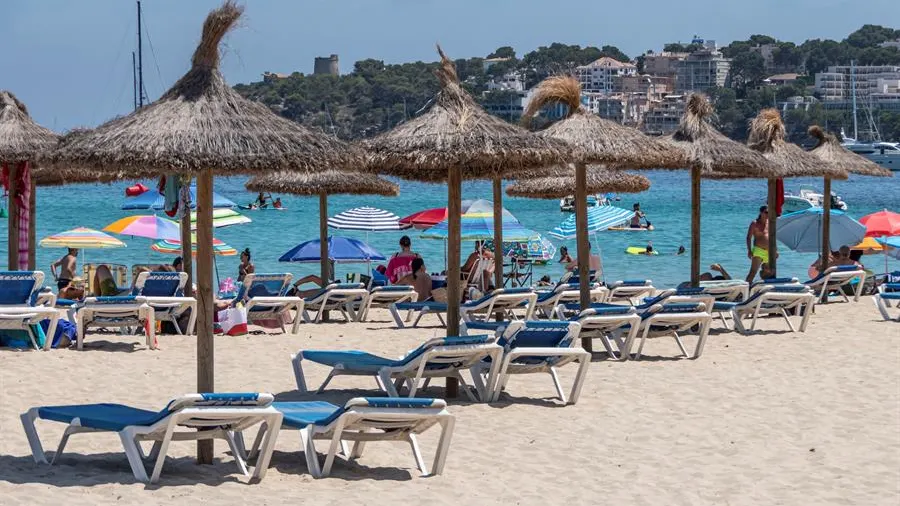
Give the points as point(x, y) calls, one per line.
point(375, 96)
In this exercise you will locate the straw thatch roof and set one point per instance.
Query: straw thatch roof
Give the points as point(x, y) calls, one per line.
point(456, 132)
point(201, 123)
point(55, 176)
point(329, 182)
point(21, 139)
point(561, 184)
point(711, 151)
point(767, 134)
point(597, 140)
point(829, 149)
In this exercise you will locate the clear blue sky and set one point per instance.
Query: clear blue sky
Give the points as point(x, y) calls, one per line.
point(70, 61)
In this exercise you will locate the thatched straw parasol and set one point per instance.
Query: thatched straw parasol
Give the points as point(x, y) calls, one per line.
point(595, 140)
point(21, 141)
point(828, 149)
point(597, 180)
point(202, 127)
point(323, 184)
point(709, 152)
point(455, 139)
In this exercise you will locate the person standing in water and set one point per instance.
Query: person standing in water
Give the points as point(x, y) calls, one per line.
point(758, 242)
point(67, 266)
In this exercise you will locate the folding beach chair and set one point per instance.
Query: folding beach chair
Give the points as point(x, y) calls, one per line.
point(343, 297)
point(385, 296)
point(630, 290)
point(835, 278)
point(265, 298)
point(362, 420)
point(537, 347)
point(439, 357)
point(164, 292)
point(23, 305)
point(671, 319)
point(123, 312)
point(887, 293)
point(189, 417)
point(774, 299)
point(565, 293)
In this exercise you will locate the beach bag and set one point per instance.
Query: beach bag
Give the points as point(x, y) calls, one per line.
point(233, 321)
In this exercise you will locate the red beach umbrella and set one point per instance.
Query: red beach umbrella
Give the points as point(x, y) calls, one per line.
point(881, 224)
point(425, 219)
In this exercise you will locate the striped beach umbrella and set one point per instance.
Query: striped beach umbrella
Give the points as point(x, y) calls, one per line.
point(172, 247)
point(369, 219)
point(599, 218)
point(222, 218)
point(478, 224)
point(81, 238)
point(149, 226)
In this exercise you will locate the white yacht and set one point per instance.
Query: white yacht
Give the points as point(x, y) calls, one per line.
point(886, 154)
point(567, 204)
point(809, 197)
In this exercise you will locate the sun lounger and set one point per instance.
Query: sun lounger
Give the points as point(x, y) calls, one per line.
point(22, 304)
point(420, 309)
point(887, 293)
point(189, 417)
point(565, 293)
point(505, 300)
point(124, 312)
point(777, 299)
point(537, 347)
point(265, 298)
point(164, 292)
point(384, 296)
point(609, 323)
point(835, 278)
point(630, 290)
point(567, 311)
point(670, 319)
point(343, 297)
point(365, 419)
point(440, 357)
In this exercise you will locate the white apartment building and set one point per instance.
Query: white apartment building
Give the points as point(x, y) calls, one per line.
point(701, 70)
point(663, 116)
point(598, 76)
point(511, 81)
point(836, 83)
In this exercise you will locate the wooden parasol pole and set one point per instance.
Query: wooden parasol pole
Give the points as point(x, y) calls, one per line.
point(32, 225)
point(205, 302)
point(695, 226)
point(324, 268)
point(13, 215)
point(826, 224)
point(772, 204)
point(454, 204)
point(584, 250)
point(187, 252)
point(498, 238)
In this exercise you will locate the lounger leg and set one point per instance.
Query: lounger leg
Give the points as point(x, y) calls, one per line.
point(502, 378)
point(163, 450)
point(71, 429)
point(309, 450)
point(489, 392)
point(331, 375)
point(395, 314)
point(701, 341)
point(333, 447)
point(419, 317)
point(417, 453)
point(440, 319)
point(134, 458)
point(79, 330)
point(385, 376)
point(51, 331)
point(380, 383)
point(559, 390)
point(440, 457)
point(465, 388)
point(298, 373)
point(37, 450)
point(236, 453)
point(358, 448)
point(192, 320)
point(257, 441)
point(150, 315)
point(295, 328)
point(787, 319)
point(680, 344)
point(724, 321)
point(584, 363)
point(807, 311)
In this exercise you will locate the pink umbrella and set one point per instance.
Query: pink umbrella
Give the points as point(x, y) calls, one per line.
point(149, 226)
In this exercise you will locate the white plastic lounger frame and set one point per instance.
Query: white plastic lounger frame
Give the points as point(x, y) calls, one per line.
point(385, 296)
point(567, 293)
point(887, 293)
point(630, 290)
point(609, 326)
point(344, 297)
point(170, 306)
point(123, 312)
point(364, 420)
point(503, 299)
point(671, 319)
point(273, 306)
point(186, 418)
point(421, 309)
point(775, 299)
point(835, 278)
point(21, 306)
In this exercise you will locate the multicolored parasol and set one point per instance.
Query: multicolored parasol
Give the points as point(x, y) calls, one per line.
point(222, 218)
point(81, 238)
point(149, 226)
point(172, 247)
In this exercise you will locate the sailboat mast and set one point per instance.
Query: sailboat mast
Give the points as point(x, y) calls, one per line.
point(140, 58)
point(853, 94)
point(134, 88)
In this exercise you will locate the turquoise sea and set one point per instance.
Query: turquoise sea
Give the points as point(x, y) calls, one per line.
point(727, 209)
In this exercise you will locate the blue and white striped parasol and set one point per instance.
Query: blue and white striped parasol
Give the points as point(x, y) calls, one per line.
point(599, 218)
point(369, 219)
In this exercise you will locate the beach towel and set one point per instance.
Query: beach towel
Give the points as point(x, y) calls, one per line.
point(65, 332)
point(22, 202)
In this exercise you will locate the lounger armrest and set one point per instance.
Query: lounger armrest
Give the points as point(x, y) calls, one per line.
point(547, 352)
point(274, 300)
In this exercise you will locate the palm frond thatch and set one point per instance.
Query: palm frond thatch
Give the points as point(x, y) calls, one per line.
point(455, 132)
point(828, 148)
point(21, 139)
point(597, 140)
point(710, 151)
point(201, 123)
point(329, 182)
point(561, 184)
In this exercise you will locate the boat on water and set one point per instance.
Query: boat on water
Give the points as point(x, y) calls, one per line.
point(567, 204)
point(886, 154)
point(809, 197)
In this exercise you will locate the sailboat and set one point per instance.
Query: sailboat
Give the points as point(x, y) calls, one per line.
point(886, 154)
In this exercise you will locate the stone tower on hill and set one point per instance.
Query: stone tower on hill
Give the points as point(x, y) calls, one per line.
point(327, 65)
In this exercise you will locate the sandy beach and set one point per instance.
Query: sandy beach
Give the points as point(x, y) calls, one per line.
point(773, 418)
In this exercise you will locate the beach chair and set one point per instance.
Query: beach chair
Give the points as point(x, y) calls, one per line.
point(363, 420)
point(835, 278)
point(23, 305)
point(505, 300)
point(439, 357)
point(671, 319)
point(385, 296)
point(610, 323)
point(630, 290)
point(564, 293)
point(887, 293)
point(164, 292)
point(419, 309)
point(343, 297)
point(265, 298)
point(185, 418)
point(537, 347)
point(124, 312)
point(774, 299)
point(568, 310)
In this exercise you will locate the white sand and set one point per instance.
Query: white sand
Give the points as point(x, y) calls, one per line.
point(775, 418)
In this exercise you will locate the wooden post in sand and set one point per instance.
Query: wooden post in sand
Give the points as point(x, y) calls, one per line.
point(454, 213)
point(772, 204)
point(695, 226)
point(583, 248)
point(32, 225)
point(498, 238)
point(826, 224)
point(187, 251)
point(13, 215)
point(205, 302)
point(324, 270)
